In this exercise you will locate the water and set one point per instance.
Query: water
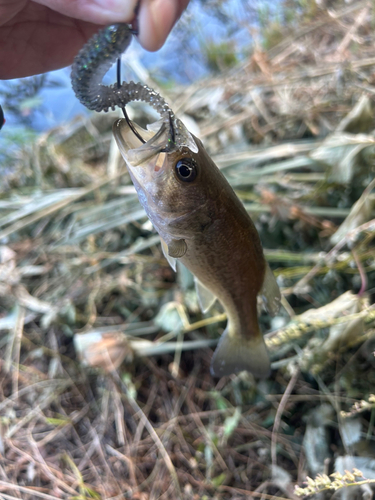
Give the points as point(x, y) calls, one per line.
point(180, 60)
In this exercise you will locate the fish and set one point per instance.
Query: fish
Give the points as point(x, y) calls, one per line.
point(204, 225)
point(200, 220)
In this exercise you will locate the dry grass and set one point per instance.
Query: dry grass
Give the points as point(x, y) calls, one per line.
point(134, 412)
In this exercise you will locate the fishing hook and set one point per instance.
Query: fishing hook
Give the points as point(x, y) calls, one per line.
point(135, 32)
point(128, 121)
point(171, 137)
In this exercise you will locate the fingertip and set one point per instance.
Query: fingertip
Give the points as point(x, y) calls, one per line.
point(156, 18)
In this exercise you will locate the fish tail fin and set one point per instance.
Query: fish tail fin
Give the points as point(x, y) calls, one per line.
point(235, 353)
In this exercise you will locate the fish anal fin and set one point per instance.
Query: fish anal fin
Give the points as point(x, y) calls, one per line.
point(235, 354)
point(177, 248)
point(206, 298)
point(171, 260)
point(270, 292)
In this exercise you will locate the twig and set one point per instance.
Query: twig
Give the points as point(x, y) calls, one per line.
point(301, 325)
point(279, 413)
point(333, 252)
point(18, 331)
point(349, 35)
point(163, 452)
point(30, 491)
point(21, 224)
point(361, 273)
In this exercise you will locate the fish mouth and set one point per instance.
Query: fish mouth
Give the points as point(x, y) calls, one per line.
point(138, 145)
point(156, 140)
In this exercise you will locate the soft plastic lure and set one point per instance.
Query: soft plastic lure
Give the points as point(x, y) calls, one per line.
point(92, 63)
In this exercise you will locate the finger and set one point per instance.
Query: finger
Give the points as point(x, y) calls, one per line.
point(40, 40)
point(95, 11)
point(10, 9)
point(156, 19)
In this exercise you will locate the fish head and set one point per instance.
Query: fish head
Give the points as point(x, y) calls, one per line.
point(171, 180)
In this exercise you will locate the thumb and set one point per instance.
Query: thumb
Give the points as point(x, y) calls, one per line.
point(8, 10)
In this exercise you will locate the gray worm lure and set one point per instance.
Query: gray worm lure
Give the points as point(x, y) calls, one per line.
point(92, 63)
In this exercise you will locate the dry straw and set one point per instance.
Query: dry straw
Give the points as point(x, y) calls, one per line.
point(82, 276)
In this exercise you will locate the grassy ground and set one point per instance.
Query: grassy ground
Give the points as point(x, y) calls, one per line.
point(105, 389)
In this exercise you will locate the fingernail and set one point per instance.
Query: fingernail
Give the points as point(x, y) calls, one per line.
point(116, 10)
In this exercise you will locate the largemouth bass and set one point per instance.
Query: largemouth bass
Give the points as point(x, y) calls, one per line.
point(204, 225)
point(198, 216)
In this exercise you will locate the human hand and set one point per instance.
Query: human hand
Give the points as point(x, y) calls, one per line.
point(42, 35)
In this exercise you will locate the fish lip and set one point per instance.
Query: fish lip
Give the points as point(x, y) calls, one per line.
point(133, 151)
point(171, 137)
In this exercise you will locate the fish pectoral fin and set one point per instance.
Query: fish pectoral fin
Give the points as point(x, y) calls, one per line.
point(171, 260)
point(177, 248)
point(270, 292)
point(206, 298)
point(235, 354)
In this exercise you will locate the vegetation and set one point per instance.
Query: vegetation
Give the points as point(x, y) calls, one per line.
point(105, 388)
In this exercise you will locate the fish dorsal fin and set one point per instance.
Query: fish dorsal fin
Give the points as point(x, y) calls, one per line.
point(177, 248)
point(171, 260)
point(206, 298)
point(270, 292)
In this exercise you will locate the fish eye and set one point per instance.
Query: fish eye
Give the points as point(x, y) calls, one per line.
point(186, 170)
